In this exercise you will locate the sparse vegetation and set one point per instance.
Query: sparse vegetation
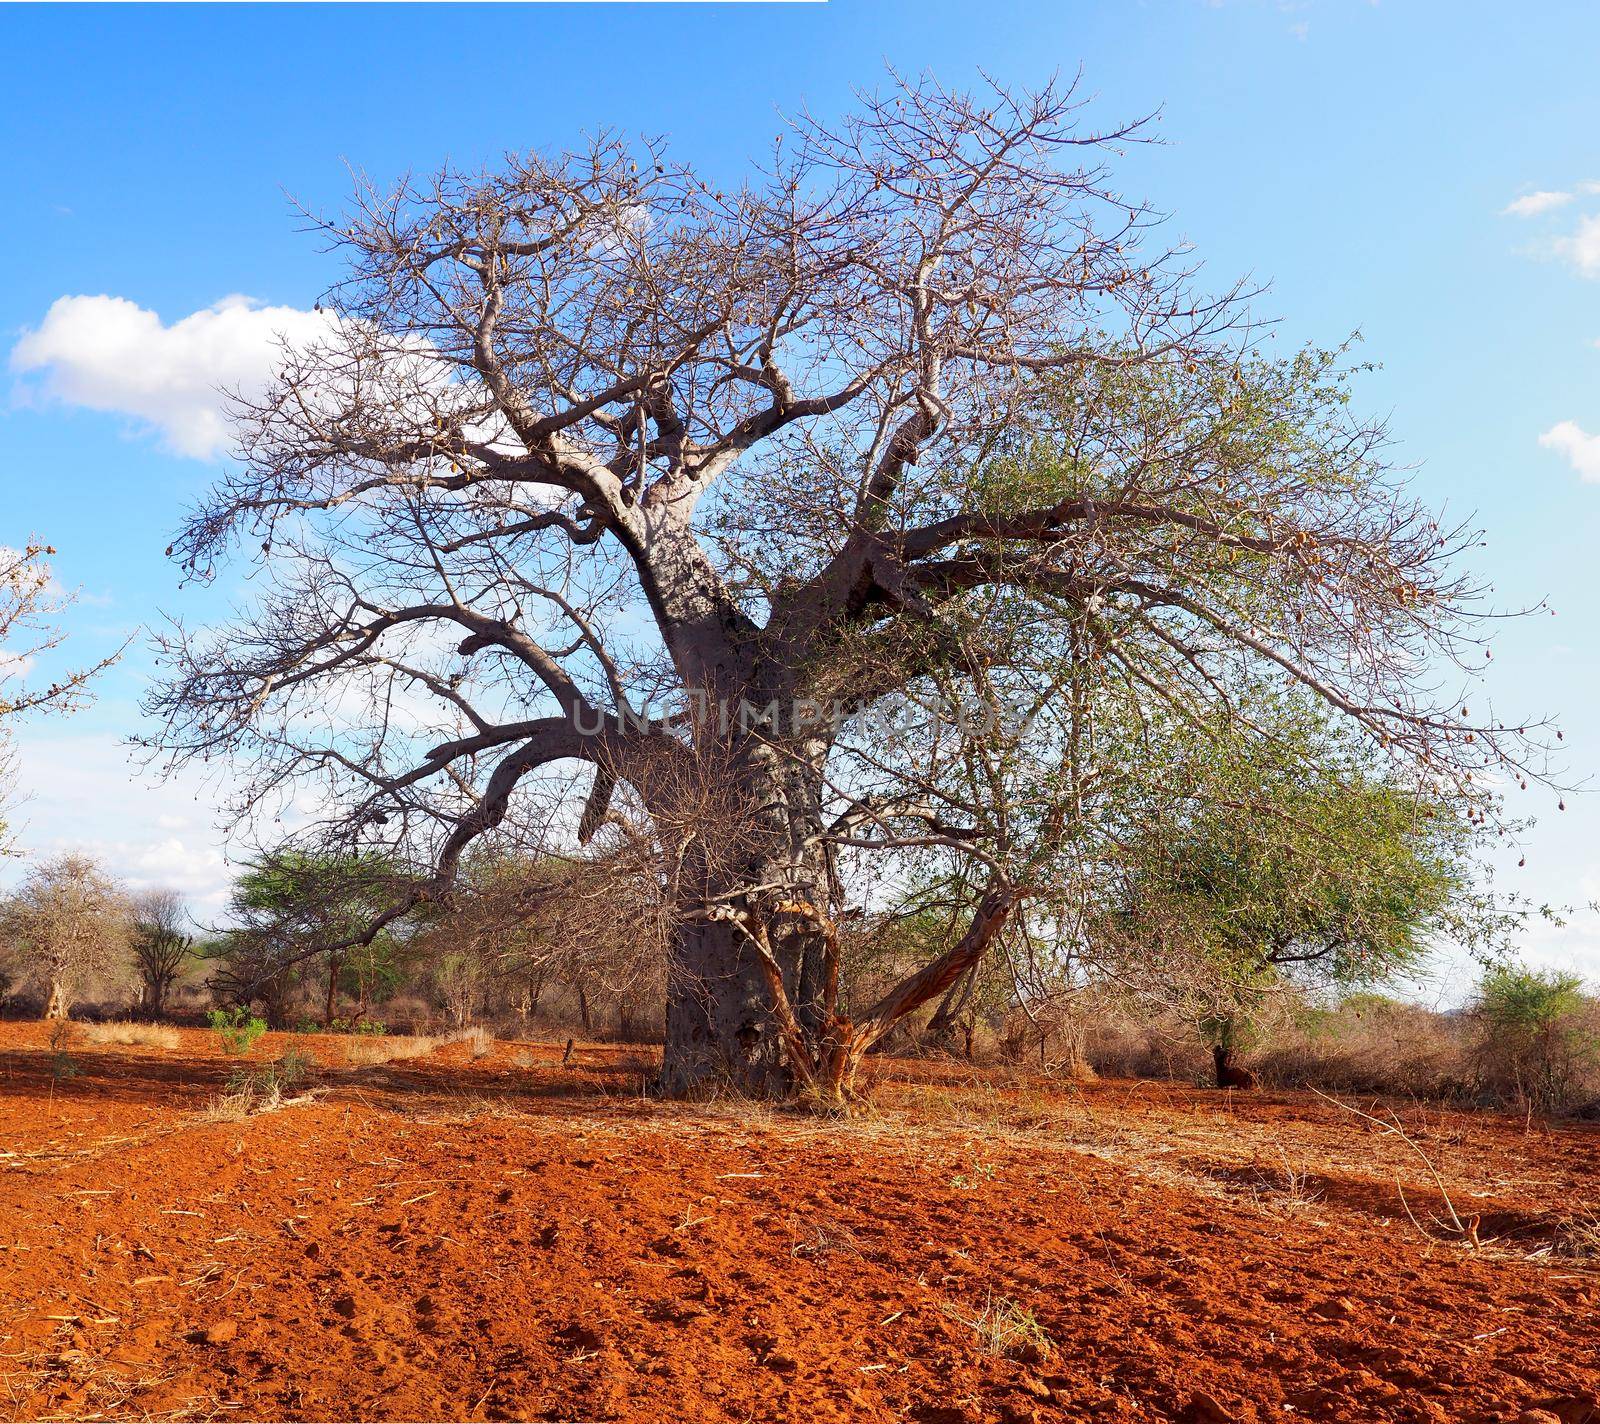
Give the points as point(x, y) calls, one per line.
point(261, 1087)
point(63, 1065)
point(1004, 1328)
point(236, 1029)
point(1577, 1234)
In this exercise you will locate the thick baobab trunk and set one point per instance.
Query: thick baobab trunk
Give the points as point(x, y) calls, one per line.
point(720, 1027)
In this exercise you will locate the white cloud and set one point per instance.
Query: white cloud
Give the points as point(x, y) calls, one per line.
point(108, 353)
point(1582, 248)
point(83, 792)
point(1530, 205)
point(1580, 449)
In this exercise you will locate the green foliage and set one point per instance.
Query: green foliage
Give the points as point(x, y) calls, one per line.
point(1534, 1045)
point(237, 1028)
point(1280, 854)
point(365, 1027)
point(293, 907)
point(1527, 1002)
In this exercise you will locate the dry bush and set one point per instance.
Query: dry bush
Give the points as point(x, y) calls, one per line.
point(1577, 1234)
point(570, 945)
point(1051, 1038)
point(133, 1034)
point(1370, 1044)
point(1124, 1039)
point(408, 1014)
point(1366, 1044)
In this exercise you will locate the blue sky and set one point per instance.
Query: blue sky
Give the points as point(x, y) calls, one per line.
point(1360, 157)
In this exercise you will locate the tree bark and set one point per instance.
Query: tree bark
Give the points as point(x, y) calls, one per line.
point(56, 1006)
point(721, 1032)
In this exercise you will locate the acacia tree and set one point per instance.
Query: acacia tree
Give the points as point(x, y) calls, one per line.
point(600, 453)
point(67, 924)
point(1284, 862)
point(158, 935)
point(290, 905)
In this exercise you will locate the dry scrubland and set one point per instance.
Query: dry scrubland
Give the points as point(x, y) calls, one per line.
point(460, 1228)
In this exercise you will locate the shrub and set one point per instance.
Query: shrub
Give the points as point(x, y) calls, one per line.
point(1005, 1329)
point(1370, 1044)
point(1532, 1048)
point(237, 1028)
point(62, 1064)
point(262, 1088)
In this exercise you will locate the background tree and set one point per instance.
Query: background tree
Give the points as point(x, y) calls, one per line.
point(290, 906)
point(1284, 863)
point(158, 934)
point(613, 471)
point(1536, 1036)
point(591, 928)
point(67, 925)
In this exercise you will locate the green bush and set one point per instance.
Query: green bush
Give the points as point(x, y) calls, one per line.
point(1533, 1045)
point(238, 1029)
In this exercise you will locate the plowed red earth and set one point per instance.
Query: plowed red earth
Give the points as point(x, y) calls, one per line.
point(506, 1237)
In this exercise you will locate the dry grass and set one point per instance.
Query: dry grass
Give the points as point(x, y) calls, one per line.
point(1004, 1329)
point(1287, 1190)
point(133, 1034)
point(369, 1052)
point(816, 1239)
point(1578, 1235)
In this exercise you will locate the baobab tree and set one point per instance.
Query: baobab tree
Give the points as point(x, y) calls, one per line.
point(614, 484)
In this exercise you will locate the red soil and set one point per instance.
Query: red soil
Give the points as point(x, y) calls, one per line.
point(508, 1238)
